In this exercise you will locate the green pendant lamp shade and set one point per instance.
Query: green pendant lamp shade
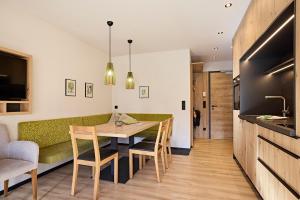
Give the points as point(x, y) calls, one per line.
point(129, 79)
point(110, 76)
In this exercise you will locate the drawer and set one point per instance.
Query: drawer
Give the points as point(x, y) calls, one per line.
point(288, 143)
point(284, 163)
point(270, 187)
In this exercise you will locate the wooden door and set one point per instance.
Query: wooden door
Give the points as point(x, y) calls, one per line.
point(221, 105)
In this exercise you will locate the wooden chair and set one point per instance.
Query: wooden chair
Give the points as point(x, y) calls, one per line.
point(150, 149)
point(167, 143)
point(94, 158)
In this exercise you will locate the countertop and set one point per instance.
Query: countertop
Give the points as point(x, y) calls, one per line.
point(273, 124)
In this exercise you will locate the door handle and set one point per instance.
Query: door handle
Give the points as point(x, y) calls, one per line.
point(213, 107)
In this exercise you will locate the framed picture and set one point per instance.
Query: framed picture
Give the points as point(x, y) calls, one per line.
point(70, 87)
point(89, 89)
point(144, 92)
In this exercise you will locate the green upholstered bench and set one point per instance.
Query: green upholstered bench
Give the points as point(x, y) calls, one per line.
point(53, 137)
point(151, 132)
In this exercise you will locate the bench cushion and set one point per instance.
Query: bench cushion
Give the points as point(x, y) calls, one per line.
point(63, 151)
point(48, 132)
point(94, 120)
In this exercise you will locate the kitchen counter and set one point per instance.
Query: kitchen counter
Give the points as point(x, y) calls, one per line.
point(283, 126)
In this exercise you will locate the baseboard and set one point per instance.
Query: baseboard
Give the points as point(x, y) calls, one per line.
point(180, 151)
point(248, 179)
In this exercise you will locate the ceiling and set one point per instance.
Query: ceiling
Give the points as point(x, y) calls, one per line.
point(154, 25)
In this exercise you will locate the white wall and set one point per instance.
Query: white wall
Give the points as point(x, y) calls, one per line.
point(225, 65)
point(168, 75)
point(56, 55)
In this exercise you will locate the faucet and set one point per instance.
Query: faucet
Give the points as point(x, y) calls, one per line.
point(285, 110)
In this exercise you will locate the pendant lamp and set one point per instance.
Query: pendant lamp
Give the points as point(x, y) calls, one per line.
point(130, 79)
point(110, 76)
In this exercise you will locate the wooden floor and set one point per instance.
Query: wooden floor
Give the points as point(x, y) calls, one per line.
point(208, 173)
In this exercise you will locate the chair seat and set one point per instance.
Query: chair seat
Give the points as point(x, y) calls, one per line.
point(144, 146)
point(90, 155)
point(11, 168)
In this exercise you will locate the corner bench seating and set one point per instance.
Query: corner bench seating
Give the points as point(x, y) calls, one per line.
point(54, 139)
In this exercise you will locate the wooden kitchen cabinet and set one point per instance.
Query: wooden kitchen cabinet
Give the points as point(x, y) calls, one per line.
point(239, 140)
point(280, 5)
point(282, 162)
point(269, 187)
point(251, 149)
point(259, 16)
point(245, 146)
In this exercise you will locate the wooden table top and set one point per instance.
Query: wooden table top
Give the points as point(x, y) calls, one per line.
point(124, 131)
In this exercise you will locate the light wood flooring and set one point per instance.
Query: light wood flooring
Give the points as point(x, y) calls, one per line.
point(208, 173)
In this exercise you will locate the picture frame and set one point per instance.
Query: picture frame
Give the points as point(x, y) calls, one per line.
point(70, 87)
point(144, 92)
point(89, 90)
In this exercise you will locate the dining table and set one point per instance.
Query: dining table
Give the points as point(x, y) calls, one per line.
point(124, 131)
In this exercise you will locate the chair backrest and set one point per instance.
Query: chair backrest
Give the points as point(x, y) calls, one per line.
point(170, 128)
point(84, 133)
point(161, 134)
point(4, 140)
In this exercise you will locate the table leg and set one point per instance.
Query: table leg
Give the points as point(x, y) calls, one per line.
point(114, 143)
point(114, 146)
point(131, 141)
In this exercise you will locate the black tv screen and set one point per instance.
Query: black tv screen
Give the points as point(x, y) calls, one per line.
point(13, 77)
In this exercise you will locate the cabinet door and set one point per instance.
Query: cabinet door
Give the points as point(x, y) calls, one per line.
point(251, 151)
point(280, 5)
point(249, 28)
point(270, 187)
point(242, 144)
point(236, 134)
point(265, 15)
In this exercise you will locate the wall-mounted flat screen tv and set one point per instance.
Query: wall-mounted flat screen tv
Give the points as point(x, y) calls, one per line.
point(13, 77)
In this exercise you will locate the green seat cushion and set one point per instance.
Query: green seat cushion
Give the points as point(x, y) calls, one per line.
point(63, 151)
point(95, 119)
point(48, 132)
point(147, 134)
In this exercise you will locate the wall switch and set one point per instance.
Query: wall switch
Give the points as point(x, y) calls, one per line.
point(183, 105)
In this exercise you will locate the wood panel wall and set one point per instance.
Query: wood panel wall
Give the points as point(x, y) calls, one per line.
point(200, 85)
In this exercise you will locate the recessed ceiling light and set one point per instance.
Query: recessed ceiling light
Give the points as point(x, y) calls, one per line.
point(228, 5)
point(220, 33)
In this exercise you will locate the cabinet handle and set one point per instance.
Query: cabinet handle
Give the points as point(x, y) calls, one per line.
point(279, 179)
point(279, 147)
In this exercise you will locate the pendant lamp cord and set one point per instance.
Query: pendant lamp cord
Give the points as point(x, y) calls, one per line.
point(109, 45)
point(129, 57)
